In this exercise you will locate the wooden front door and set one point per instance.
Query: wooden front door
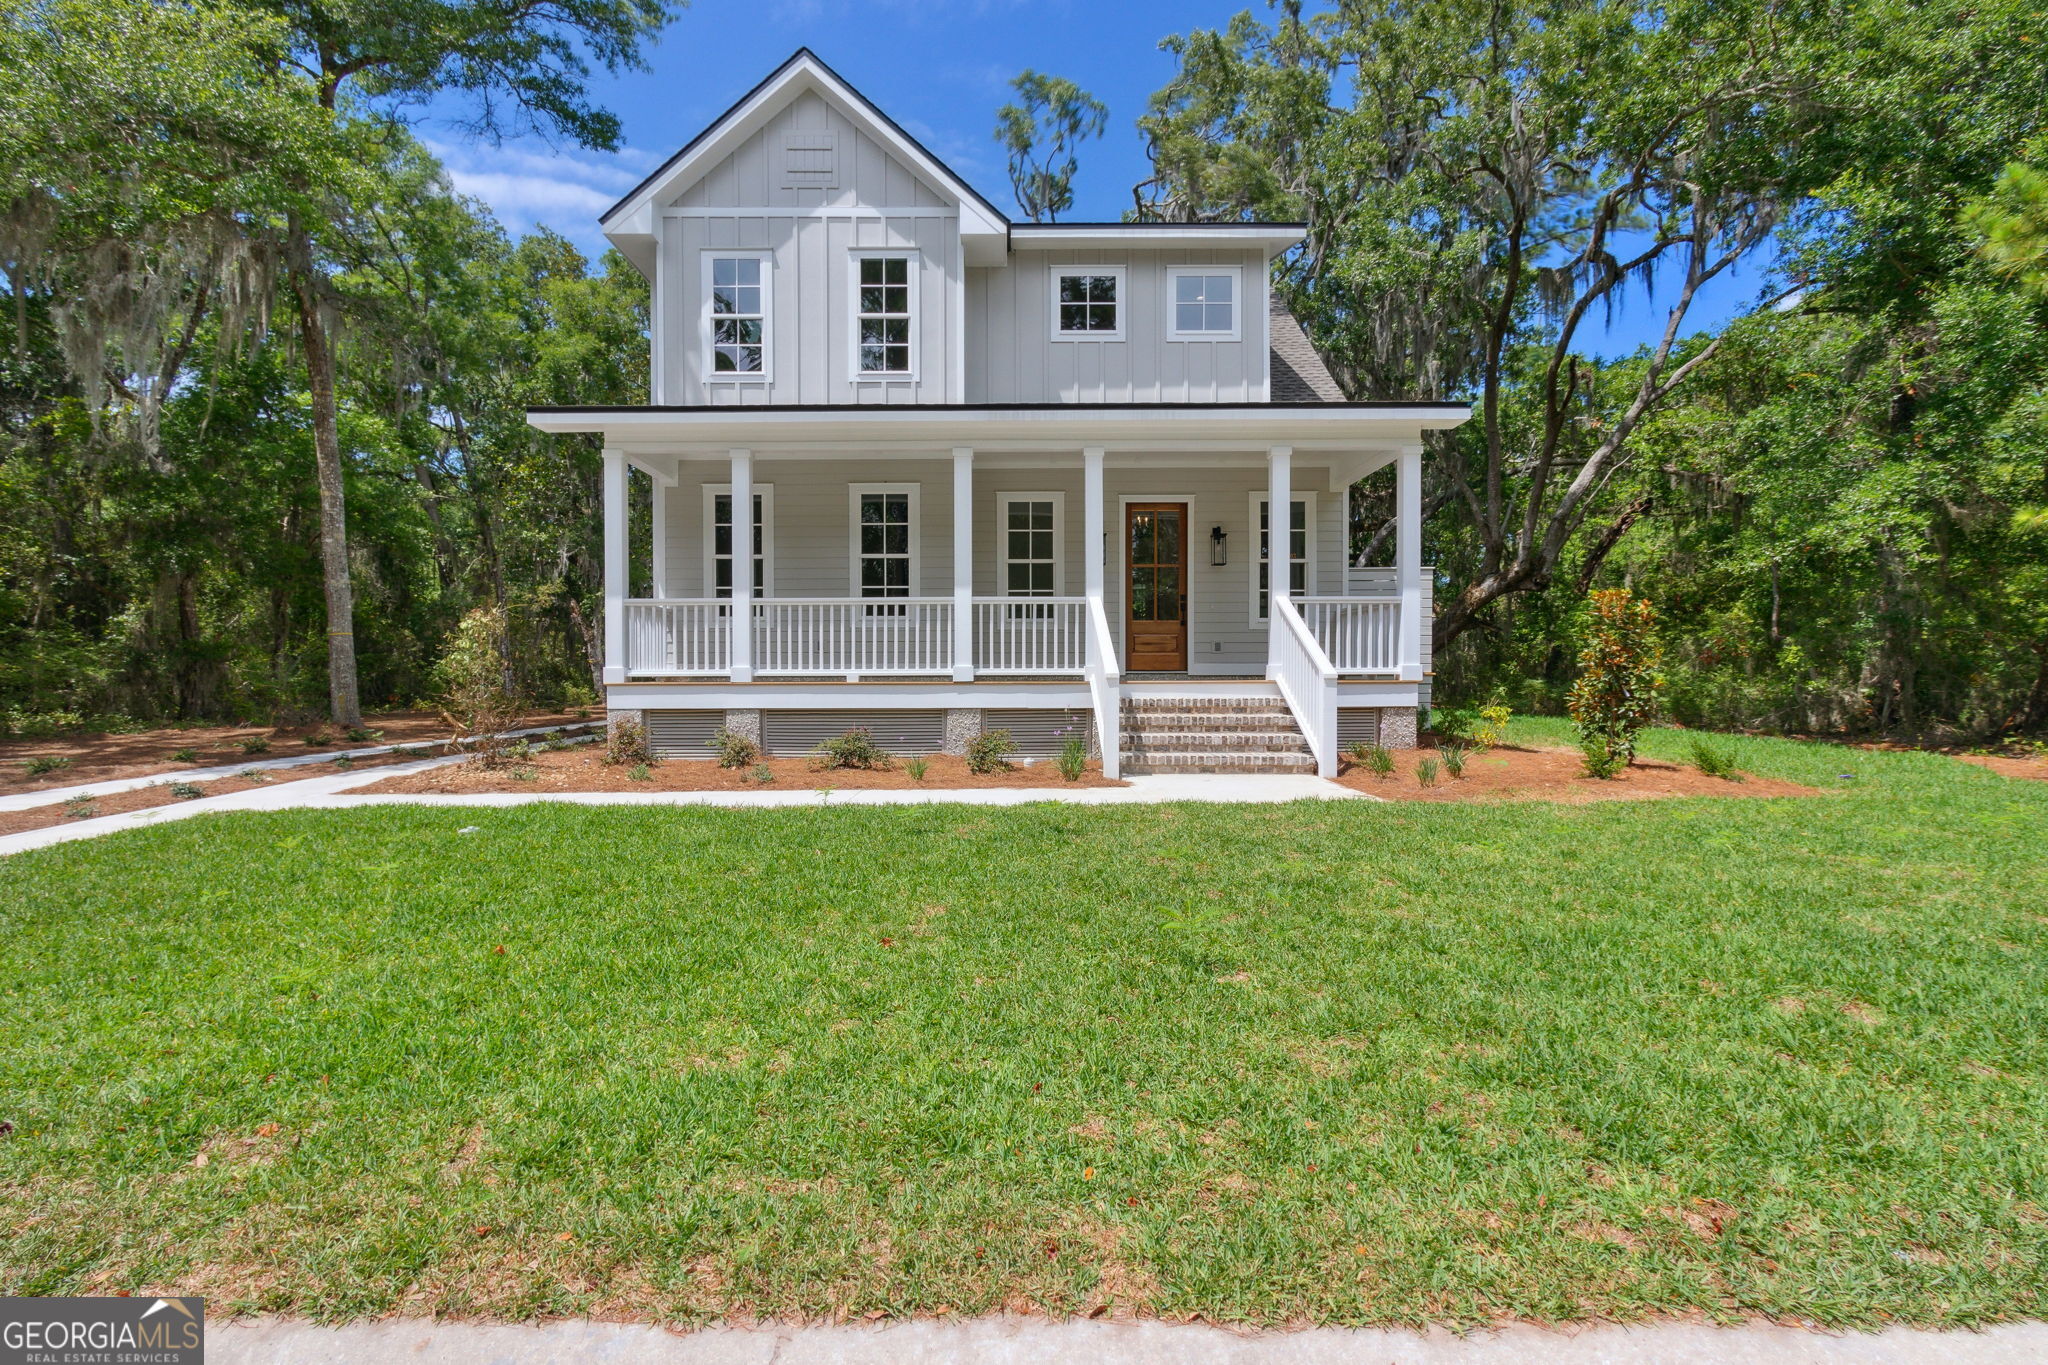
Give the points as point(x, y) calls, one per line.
point(1156, 586)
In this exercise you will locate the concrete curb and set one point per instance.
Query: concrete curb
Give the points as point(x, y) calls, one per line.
point(1011, 1341)
point(54, 795)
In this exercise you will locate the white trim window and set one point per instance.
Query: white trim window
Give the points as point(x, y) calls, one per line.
point(1301, 552)
point(884, 314)
point(1204, 302)
point(1089, 301)
point(885, 536)
point(718, 540)
point(1033, 533)
point(737, 287)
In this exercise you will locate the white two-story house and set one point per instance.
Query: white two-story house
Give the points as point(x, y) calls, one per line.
point(994, 474)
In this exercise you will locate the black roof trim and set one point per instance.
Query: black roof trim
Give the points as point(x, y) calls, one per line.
point(898, 409)
point(891, 124)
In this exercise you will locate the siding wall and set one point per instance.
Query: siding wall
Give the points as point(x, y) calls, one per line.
point(877, 202)
point(812, 536)
point(1012, 358)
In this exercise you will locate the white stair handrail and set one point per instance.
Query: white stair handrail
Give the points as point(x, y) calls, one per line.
point(1105, 686)
point(1307, 680)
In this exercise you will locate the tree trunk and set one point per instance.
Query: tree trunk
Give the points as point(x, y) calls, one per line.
point(343, 706)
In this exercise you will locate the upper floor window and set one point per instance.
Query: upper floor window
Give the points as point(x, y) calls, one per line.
point(882, 318)
point(1088, 303)
point(736, 314)
point(1203, 302)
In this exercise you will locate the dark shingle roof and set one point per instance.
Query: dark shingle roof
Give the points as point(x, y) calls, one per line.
point(1299, 374)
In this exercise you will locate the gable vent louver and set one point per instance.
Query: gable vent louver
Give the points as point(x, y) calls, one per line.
point(810, 160)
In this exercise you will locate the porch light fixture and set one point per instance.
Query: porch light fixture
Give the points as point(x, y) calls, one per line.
point(1219, 547)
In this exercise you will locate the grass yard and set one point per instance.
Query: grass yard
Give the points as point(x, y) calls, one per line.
point(1346, 1063)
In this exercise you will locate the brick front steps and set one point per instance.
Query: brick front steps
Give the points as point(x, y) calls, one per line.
point(1199, 735)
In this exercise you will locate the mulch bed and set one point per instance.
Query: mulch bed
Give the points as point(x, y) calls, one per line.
point(1515, 774)
point(160, 794)
point(104, 757)
point(586, 771)
point(2034, 766)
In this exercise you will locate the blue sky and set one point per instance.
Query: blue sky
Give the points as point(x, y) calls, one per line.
point(940, 67)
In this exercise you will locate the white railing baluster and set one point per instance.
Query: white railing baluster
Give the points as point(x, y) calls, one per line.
point(1358, 634)
point(1308, 682)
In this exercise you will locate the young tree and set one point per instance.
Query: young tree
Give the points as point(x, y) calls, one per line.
point(1616, 694)
point(1042, 135)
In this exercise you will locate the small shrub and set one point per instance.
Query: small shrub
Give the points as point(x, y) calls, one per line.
point(476, 698)
point(640, 772)
point(990, 752)
point(344, 760)
point(1616, 694)
point(185, 791)
point(916, 767)
point(1073, 759)
point(184, 755)
point(1454, 760)
point(45, 763)
point(526, 772)
point(854, 749)
point(1373, 758)
point(518, 751)
point(81, 808)
point(1601, 759)
point(762, 774)
point(626, 742)
point(359, 735)
point(1426, 770)
point(256, 744)
point(319, 739)
point(1453, 722)
point(1492, 730)
point(1714, 761)
point(734, 750)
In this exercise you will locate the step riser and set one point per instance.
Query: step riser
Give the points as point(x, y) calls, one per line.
point(1180, 722)
point(1195, 706)
point(1137, 766)
point(1216, 744)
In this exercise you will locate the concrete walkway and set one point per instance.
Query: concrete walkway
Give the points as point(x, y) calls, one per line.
point(53, 795)
point(1014, 1341)
point(336, 792)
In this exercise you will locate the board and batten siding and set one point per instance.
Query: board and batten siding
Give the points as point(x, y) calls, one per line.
point(812, 535)
point(1013, 358)
point(742, 204)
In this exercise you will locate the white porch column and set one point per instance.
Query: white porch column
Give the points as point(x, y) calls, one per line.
point(1279, 541)
point(1408, 558)
point(658, 533)
point(615, 565)
point(963, 564)
point(1092, 546)
point(740, 648)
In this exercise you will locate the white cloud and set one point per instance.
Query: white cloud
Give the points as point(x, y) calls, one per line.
point(527, 187)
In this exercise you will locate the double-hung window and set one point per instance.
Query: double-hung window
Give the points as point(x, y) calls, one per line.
point(736, 314)
point(1088, 303)
point(883, 296)
point(884, 541)
point(1300, 543)
point(1202, 302)
point(718, 539)
point(1031, 547)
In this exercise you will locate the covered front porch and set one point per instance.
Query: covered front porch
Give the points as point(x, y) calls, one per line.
point(941, 554)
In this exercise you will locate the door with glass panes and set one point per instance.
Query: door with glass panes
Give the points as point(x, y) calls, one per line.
point(1156, 587)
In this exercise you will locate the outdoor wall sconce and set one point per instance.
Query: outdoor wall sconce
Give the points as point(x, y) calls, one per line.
point(1219, 547)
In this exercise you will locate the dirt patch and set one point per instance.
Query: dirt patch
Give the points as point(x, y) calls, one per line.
point(1516, 774)
point(2034, 766)
point(104, 757)
point(160, 794)
point(586, 771)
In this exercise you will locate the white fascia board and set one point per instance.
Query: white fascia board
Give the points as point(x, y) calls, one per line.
point(1274, 238)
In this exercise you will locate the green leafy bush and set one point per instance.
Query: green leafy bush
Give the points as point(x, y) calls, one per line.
point(1373, 758)
point(256, 744)
point(1713, 760)
point(734, 749)
point(1616, 694)
point(526, 772)
point(640, 772)
point(475, 699)
point(990, 752)
point(81, 808)
point(1453, 722)
point(1601, 759)
point(1492, 730)
point(185, 791)
point(184, 755)
point(1073, 759)
point(45, 763)
point(762, 774)
point(854, 749)
point(626, 742)
point(359, 735)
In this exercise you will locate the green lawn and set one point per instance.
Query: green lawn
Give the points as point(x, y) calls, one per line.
point(1351, 1063)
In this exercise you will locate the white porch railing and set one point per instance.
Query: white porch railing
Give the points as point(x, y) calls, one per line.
point(1105, 687)
point(854, 636)
point(1035, 635)
point(1359, 634)
point(678, 636)
point(1308, 681)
